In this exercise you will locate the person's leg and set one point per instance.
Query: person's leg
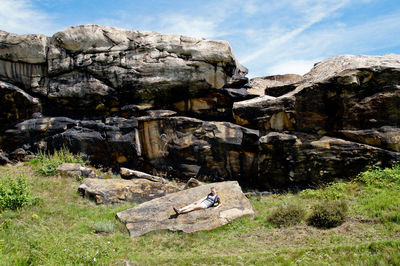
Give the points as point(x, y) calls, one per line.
point(192, 208)
point(188, 207)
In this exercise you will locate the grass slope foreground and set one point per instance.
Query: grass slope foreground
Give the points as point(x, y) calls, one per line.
point(55, 226)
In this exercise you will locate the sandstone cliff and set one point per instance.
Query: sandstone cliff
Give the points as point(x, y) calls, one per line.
point(183, 105)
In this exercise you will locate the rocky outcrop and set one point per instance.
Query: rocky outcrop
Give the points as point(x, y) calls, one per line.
point(158, 214)
point(340, 93)
point(299, 159)
point(182, 106)
point(104, 191)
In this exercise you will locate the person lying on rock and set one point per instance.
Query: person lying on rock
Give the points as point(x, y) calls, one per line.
point(201, 204)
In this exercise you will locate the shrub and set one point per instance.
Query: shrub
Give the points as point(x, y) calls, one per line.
point(381, 178)
point(104, 227)
point(47, 163)
point(286, 215)
point(328, 214)
point(14, 193)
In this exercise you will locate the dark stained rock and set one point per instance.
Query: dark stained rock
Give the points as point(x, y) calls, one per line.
point(3, 159)
point(158, 214)
point(16, 105)
point(110, 143)
point(190, 147)
point(384, 137)
point(298, 159)
point(35, 132)
point(266, 113)
point(121, 190)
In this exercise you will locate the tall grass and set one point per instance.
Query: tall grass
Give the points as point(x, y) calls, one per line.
point(46, 163)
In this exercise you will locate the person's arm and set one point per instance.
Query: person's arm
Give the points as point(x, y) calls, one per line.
point(219, 202)
point(200, 200)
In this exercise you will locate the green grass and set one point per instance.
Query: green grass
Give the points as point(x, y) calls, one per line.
point(47, 163)
point(65, 228)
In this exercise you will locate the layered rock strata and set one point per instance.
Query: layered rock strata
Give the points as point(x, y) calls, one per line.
point(183, 106)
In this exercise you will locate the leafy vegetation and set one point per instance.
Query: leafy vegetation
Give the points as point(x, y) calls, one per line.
point(62, 229)
point(47, 163)
point(286, 215)
point(14, 193)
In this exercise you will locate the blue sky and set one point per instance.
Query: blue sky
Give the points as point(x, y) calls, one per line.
point(268, 37)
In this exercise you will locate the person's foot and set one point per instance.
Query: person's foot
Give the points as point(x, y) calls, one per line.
point(177, 211)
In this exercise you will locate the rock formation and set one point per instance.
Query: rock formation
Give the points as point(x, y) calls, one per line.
point(183, 106)
point(158, 214)
point(115, 190)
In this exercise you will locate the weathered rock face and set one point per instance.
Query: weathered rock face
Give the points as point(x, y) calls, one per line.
point(191, 147)
point(183, 106)
point(158, 214)
point(121, 190)
point(108, 143)
point(16, 105)
point(99, 70)
point(300, 159)
point(352, 99)
point(341, 93)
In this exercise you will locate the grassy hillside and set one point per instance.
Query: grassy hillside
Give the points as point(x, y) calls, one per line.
point(56, 226)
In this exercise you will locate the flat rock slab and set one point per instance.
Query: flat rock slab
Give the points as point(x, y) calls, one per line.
point(158, 214)
point(121, 190)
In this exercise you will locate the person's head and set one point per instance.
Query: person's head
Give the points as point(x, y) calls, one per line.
point(213, 190)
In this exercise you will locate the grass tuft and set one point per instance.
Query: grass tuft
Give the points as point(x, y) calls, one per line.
point(328, 214)
point(104, 227)
point(287, 215)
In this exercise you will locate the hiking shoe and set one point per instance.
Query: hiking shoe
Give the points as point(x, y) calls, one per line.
point(177, 212)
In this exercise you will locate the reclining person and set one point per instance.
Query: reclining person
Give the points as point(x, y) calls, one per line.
point(201, 204)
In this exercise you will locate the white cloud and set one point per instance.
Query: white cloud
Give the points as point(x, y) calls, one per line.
point(19, 16)
point(299, 67)
point(313, 15)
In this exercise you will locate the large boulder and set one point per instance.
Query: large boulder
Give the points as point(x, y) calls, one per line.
point(104, 191)
point(116, 67)
point(158, 214)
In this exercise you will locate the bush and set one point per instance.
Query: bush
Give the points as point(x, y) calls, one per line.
point(46, 163)
point(381, 178)
point(14, 193)
point(286, 215)
point(328, 214)
point(104, 227)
